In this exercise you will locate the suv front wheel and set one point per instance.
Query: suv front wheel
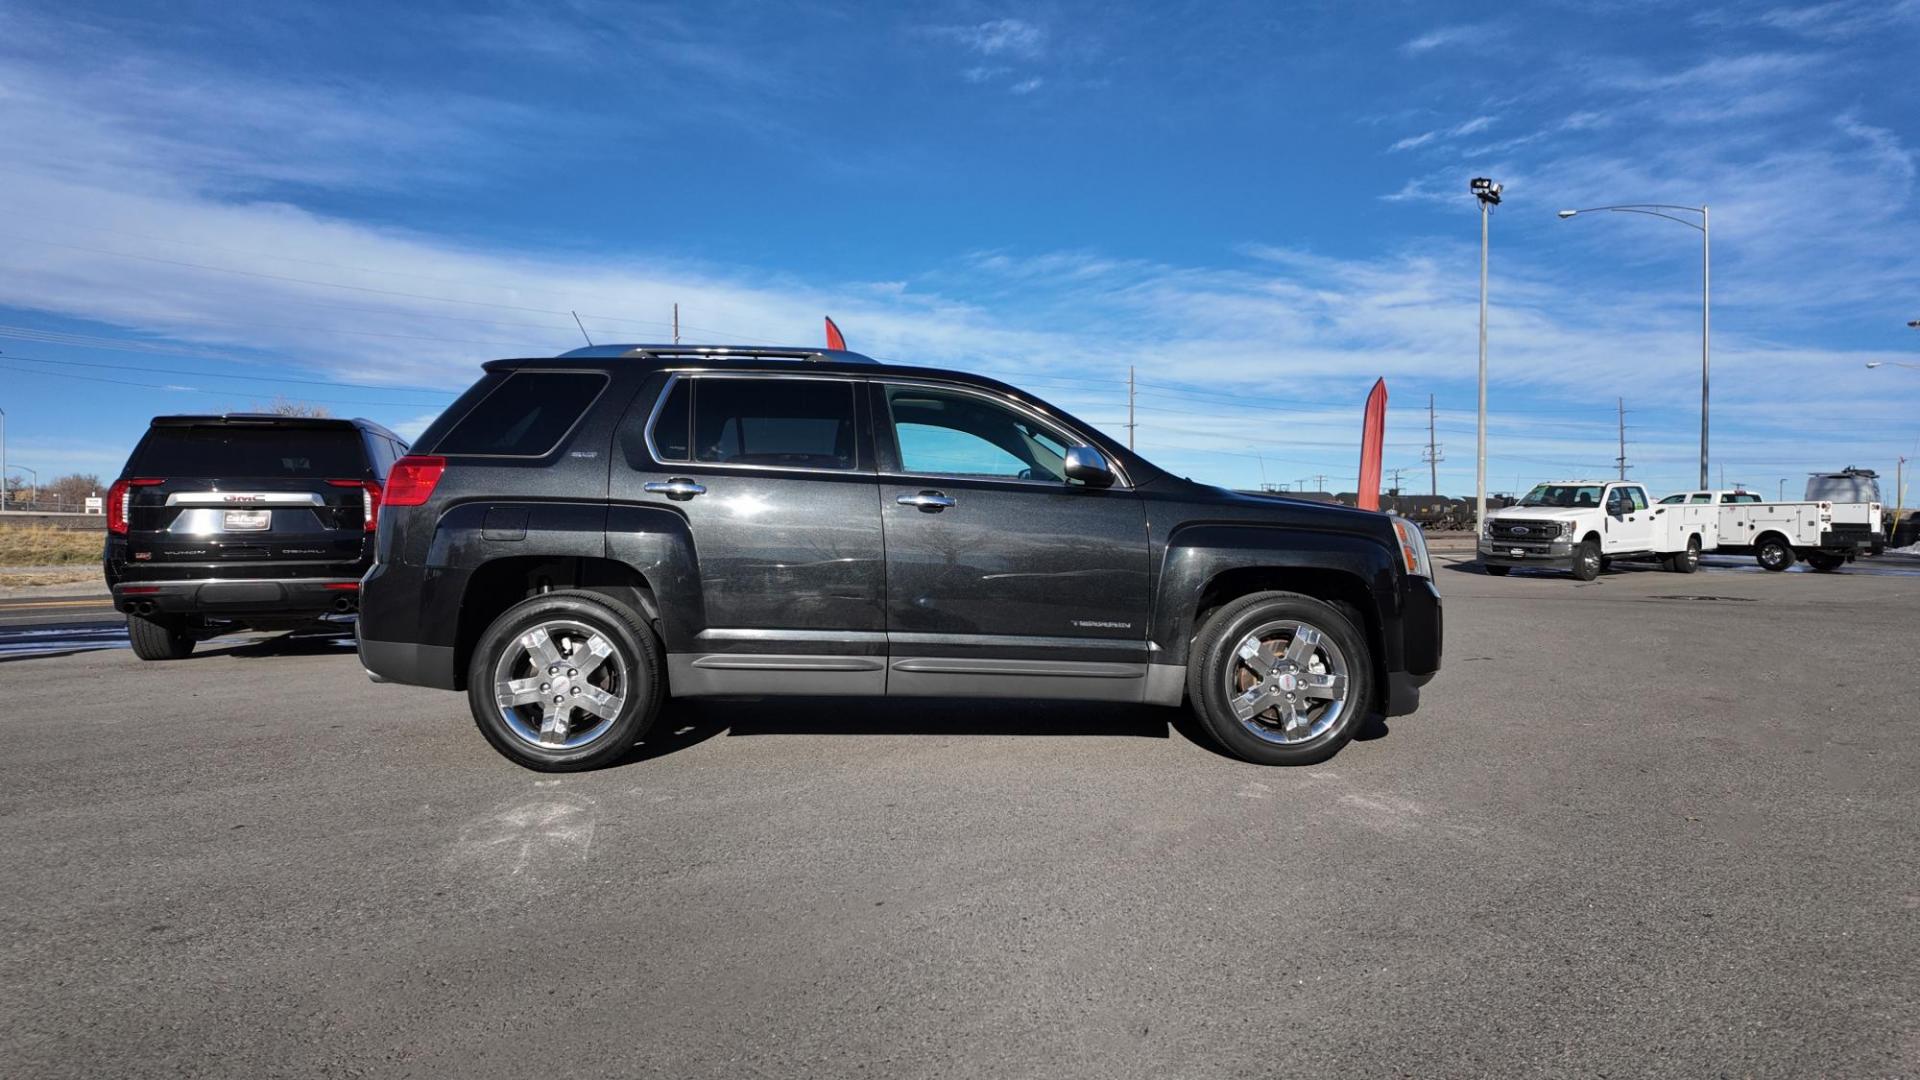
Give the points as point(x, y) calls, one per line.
point(1278, 678)
point(565, 681)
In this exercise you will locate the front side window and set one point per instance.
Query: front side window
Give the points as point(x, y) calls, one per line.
point(948, 433)
point(783, 423)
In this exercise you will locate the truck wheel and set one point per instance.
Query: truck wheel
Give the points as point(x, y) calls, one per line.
point(1586, 560)
point(1686, 562)
point(158, 638)
point(1278, 678)
point(1824, 562)
point(1496, 571)
point(564, 681)
point(1774, 554)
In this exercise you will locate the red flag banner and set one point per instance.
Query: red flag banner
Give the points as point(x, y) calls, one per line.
point(834, 340)
point(1373, 435)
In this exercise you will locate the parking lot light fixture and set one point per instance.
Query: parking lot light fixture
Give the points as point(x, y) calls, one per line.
point(1488, 194)
point(1668, 210)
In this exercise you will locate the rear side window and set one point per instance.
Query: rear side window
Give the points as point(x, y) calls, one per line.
point(526, 415)
point(788, 423)
point(219, 450)
point(670, 431)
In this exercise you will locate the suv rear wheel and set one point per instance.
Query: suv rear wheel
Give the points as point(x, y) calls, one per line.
point(565, 681)
point(1278, 678)
point(158, 638)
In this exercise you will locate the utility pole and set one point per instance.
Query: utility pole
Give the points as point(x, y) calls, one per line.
point(1130, 409)
point(1320, 482)
point(1488, 193)
point(1434, 457)
point(1622, 459)
point(1396, 479)
point(3, 459)
point(676, 322)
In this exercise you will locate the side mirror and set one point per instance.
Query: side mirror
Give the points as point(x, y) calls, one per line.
point(1089, 467)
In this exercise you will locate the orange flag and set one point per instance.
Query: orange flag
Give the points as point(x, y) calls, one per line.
point(834, 340)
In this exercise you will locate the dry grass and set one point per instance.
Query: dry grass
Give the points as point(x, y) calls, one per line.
point(44, 545)
point(59, 575)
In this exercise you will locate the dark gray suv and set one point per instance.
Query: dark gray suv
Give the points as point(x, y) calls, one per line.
point(579, 537)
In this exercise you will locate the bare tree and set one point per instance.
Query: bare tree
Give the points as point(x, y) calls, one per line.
point(72, 490)
point(283, 406)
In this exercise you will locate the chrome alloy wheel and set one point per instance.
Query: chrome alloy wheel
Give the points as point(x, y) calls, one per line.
point(560, 685)
point(1287, 682)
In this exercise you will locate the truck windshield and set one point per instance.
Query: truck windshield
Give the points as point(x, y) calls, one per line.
point(1564, 496)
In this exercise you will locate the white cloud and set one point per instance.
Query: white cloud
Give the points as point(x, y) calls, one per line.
point(1473, 35)
point(1000, 37)
point(1470, 127)
point(1026, 86)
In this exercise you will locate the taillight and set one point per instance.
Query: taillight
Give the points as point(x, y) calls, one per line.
point(369, 499)
point(120, 501)
point(413, 479)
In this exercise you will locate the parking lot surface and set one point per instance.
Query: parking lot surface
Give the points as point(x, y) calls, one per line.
point(1652, 825)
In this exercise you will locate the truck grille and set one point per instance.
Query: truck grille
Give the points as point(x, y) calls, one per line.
point(1526, 530)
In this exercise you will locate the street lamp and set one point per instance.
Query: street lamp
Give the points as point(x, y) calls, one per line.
point(1895, 363)
point(1659, 210)
point(1488, 194)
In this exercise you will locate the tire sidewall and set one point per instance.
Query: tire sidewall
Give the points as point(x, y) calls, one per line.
point(637, 646)
point(1783, 560)
point(1586, 561)
point(1214, 647)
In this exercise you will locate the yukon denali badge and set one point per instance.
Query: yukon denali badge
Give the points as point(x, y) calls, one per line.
point(243, 498)
point(1101, 624)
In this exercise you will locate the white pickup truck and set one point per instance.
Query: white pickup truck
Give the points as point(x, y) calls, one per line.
point(1582, 525)
point(1826, 534)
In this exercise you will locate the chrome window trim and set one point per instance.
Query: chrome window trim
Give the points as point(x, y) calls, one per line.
point(1037, 415)
point(606, 380)
point(694, 375)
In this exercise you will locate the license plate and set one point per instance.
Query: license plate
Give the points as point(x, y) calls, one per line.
point(248, 520)
point(1519, 551)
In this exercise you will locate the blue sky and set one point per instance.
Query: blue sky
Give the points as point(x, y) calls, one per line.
point(1260, 207)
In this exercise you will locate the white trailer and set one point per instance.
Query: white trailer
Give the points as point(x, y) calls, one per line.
point(1826, 534)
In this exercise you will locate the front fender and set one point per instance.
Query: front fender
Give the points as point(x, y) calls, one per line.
point(1198, 555)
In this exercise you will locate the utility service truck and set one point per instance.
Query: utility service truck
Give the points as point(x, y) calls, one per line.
point(1583, 525)
point(1826, 534)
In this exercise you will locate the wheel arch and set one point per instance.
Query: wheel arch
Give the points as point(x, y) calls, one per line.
point(498, 584)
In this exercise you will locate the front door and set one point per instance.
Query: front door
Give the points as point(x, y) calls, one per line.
point(1003, 577)
point(1629, 525)
point(774, 483)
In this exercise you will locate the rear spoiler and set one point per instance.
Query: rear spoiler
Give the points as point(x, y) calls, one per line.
point(253, 420)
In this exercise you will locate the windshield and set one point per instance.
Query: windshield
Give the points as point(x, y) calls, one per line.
point(1563, 496)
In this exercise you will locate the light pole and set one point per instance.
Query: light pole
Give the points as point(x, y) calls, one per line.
point(1895, 363)
point(1659, 210)
point(1488, 194)
point(1782, 496)
point(3, 460)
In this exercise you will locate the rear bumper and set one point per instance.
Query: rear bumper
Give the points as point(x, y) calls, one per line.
point(239, 597)
point(1850, 539)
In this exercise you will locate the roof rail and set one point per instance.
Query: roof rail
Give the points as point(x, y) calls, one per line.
point(723, 352)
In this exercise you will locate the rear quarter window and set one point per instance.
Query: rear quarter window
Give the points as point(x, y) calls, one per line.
point(526, 415)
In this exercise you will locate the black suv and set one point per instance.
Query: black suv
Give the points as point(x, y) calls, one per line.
point(584, 535)
point(243, 521)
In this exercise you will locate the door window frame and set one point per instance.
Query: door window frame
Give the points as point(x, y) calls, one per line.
point(863, 455)
point(886, 441)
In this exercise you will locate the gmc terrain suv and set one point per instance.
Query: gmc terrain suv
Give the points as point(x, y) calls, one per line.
point(243, 521)
point(582, 536)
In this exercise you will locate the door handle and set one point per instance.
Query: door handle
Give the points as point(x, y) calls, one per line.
point(677, 488)
point(929, 502)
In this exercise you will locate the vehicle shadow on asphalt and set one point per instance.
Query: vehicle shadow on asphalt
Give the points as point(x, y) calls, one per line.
point(686, 723)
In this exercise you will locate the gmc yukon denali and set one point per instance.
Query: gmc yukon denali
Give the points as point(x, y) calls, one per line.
point(579, 537)
point(242, 521)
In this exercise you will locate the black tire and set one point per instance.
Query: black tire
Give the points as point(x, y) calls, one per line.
point(1686, 562)
point(634, 668)
point(1774, 554)
point(1586, 560)
point(1824, 562)
point(1496, 571)
point(159, 638)
point(1214, 662)
point(1606, 563)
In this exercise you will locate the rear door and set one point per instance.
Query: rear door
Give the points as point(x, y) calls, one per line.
point(1002, 576)
point(242, 497)
point(771, 476)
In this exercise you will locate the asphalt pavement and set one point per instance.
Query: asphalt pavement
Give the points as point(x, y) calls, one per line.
point(1654, 825)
